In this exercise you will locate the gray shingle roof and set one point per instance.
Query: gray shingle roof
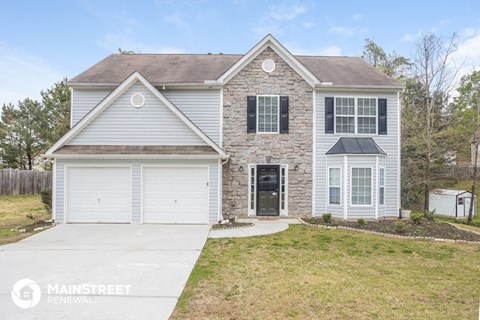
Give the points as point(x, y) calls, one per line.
point(356, 146)
point(164, 69)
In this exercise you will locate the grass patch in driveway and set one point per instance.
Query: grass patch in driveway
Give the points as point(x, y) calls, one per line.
point(312, 273)
point(20, 212)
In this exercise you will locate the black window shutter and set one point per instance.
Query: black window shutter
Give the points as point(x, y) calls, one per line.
point(382, 116)
point(329, 115)
point(283, 114)
point(251, 114)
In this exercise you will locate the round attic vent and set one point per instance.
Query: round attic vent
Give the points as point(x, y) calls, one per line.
point(268, 65)
point(137, 100)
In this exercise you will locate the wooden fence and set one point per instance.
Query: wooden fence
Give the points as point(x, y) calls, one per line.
point(13, 181)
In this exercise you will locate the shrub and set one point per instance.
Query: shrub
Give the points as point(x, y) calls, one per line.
point(30, 216)
point(400, 227)
point(361, 222)
point(416, 217)
point(327, 218)
point(428, 215)
point(47, 198)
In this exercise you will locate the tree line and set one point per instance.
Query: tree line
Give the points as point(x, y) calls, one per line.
point(440, 112)
point(29, 128)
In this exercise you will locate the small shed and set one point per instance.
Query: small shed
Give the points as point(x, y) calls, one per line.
point(452, 203)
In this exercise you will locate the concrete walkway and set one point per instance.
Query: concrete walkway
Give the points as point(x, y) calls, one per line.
point(261, 227)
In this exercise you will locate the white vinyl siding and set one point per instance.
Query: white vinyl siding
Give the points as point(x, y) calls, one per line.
point(84, 101)
point(122, 124)
point(136, 183)
point(268, 119)
point(388, 143)
point(202, 107)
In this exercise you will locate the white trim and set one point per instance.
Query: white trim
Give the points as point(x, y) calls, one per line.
point(221, 119)
point(174, 166)
point(65, 187)
point(71, 107)
point(377, 186)
point(283, 212)
point(141, 104)
point(399, 150)
point(135, 156)
point(359, 88)
point(371, 186)
point(252, 212)
point(314, 152)
point(345, 183)
point(269, 41)
point(278, 113)
point(54, 190)
point(114, 95)
point(220, 191)
point(328, 187)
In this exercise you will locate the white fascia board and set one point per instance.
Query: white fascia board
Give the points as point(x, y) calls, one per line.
point(134, 156)
point(114, 95)
point(360, 88)
point(269, 41)
point(181, 85)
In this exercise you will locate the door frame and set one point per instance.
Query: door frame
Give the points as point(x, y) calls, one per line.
point(277, 214)
point(173, 166)
point(252, 197)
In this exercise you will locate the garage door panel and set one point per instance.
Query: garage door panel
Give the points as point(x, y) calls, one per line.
point(175, 195)
point(98, 194)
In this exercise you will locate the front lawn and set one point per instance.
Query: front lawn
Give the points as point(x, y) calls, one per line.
point(313, 273)
point(23, 212)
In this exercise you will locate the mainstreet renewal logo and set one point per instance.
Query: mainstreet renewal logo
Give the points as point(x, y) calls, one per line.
point(26, 293)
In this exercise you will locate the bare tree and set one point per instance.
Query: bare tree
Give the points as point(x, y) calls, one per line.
point(435, 71)
point(467, 116)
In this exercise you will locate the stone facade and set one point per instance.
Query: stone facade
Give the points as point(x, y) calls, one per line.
point(294, 148)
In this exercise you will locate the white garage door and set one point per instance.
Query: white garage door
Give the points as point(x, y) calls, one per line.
point(175, 195)
point(98, 194)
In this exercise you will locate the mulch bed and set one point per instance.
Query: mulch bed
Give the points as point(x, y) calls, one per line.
point(232, 225)
point(430, 229)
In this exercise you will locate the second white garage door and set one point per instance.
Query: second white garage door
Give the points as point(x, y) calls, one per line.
point(175, 195)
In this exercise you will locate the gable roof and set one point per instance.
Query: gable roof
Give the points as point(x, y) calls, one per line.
point(208, 69)
point(366, 146)
point(271, 42)
point(114, 95)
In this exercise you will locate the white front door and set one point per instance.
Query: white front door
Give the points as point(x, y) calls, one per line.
point(175, 195)
point(98, 194)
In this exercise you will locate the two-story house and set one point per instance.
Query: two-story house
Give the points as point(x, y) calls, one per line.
point(188, 138)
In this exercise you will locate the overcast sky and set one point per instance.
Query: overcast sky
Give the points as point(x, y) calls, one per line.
point(43, 41)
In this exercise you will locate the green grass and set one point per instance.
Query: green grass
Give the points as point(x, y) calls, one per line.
point(313, 273)
point(17, 212)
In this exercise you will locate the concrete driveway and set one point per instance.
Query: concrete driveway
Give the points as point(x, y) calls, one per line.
point(100, 271)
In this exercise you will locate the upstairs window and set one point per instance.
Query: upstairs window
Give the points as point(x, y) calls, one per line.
point(268, 114)
point(345, 115)
point(356, 115)
point(367, 115)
